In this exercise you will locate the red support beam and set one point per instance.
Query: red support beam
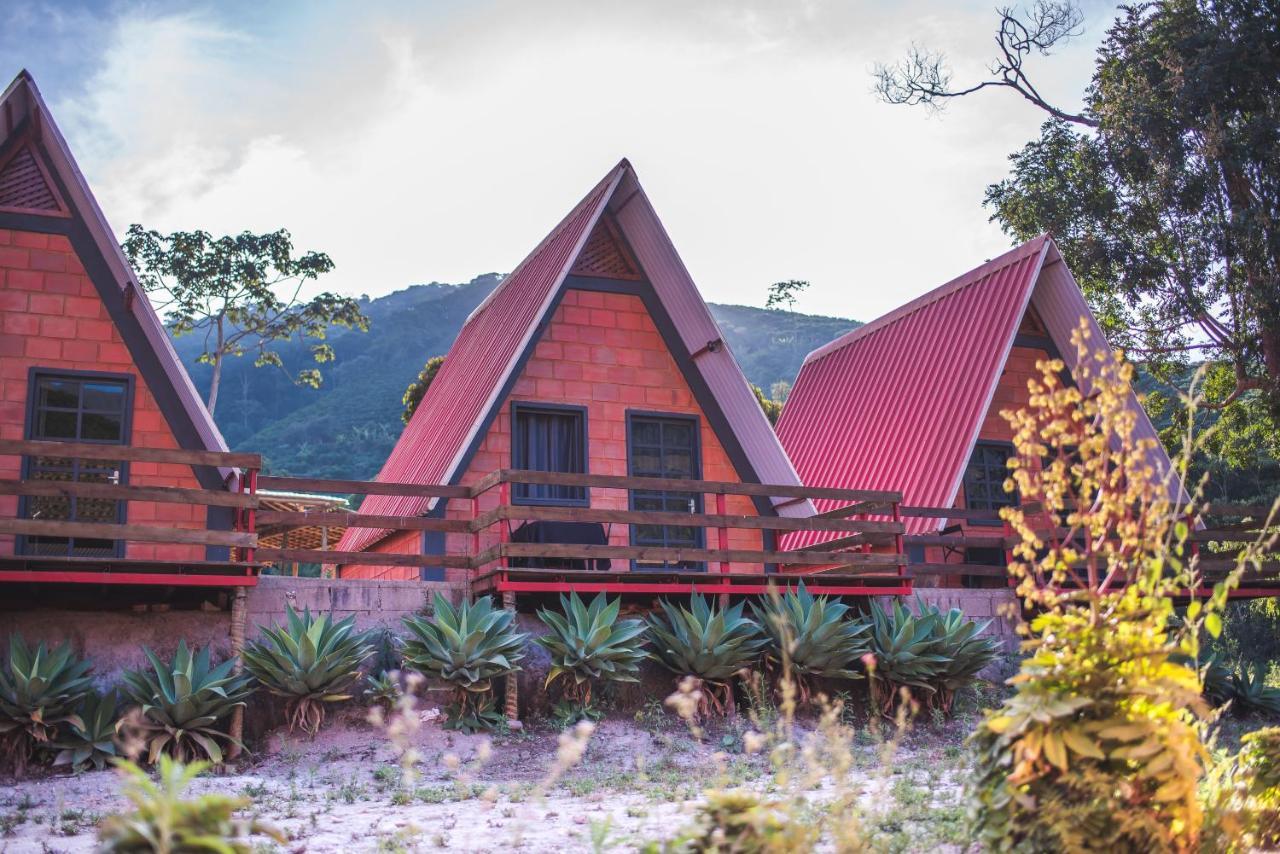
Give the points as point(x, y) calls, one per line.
point(505, 584)
point(151, 579)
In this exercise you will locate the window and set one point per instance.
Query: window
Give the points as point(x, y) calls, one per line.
point(984, 478)
point(549, 438)
point(667, 447)
point(88, 408)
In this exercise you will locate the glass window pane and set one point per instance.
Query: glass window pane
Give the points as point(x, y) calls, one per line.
point(60, 393)
point(104, 397)
point(55, 424)
point(100, 427)
point(646, 432)
point(678, 434)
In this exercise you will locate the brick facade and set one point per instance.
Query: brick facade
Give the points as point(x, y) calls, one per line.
point(52, 317)
point(601, 351)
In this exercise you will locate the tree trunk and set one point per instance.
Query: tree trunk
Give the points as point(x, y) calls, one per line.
point(216, 382)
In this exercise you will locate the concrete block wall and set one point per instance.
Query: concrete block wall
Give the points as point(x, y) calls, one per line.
point(998, 605)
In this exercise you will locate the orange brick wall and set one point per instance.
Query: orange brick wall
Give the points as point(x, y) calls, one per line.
point(603, 352)
point(51, 317)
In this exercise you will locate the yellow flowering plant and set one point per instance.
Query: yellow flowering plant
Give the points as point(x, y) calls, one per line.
point(1102, 745)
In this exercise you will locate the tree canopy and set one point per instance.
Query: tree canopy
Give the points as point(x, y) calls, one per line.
point(243, 292)
point(414, 393)
point(782, 295)
point(1163, 192)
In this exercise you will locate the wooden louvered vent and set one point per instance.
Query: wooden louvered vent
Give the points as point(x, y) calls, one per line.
point(604, 256)
point(24, 185)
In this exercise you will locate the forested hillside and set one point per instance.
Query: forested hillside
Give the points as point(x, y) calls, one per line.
point(347, 427)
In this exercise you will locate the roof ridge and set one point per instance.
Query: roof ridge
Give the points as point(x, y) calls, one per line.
point(1012, 256)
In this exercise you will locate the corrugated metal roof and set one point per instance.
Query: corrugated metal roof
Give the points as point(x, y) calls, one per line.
point(432, 449)
point(898, 403)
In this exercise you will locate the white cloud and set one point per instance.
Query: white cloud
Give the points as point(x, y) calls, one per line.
point(445, 142)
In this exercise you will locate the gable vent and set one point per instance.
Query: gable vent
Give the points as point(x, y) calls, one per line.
point(603, 256)
point(24, 186)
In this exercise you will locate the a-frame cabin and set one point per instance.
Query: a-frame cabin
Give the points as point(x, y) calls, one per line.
point(84, 359)
point(597, 355)
point(911, 401)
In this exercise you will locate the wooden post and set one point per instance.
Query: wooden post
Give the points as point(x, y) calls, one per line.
point(504, 528)
point(512, 708)
point(238, 600)
point(722, 539)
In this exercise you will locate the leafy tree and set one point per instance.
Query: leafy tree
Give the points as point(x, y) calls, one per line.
point(418, 388)
point(243, 292)
point(782, 295)
point(1165, 203)
point(772, 408)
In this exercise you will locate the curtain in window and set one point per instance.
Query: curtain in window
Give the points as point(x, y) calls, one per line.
point(548, 440)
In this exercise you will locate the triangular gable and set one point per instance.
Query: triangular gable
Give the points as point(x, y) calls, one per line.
point(26, 125)
point(627, 243)
point(898, 404)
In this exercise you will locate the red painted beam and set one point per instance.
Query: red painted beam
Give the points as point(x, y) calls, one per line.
point(167, 579)
point(677, 587)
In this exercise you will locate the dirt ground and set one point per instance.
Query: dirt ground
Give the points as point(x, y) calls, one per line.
point(639, 781)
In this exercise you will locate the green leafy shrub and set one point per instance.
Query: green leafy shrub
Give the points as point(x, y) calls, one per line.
point(1100, 748)
point(183, 699)
point(310, 660)
point(816, 635)
point(706, 643)
point(588, 643)
point(164, 821)
point(742, 822)
point(89, 739)
point(382, 689)
point(1250, 692)
point(468, 647)
point(39, 690)
point(1244, 797)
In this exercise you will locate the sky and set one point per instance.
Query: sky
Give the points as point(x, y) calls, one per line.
point(419, 142)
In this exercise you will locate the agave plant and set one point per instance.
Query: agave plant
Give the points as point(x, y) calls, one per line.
point(706, 643)
point(468, 647)
point(310, 660)
point(89, 741)
point(966, 649)
point(1250, 691)
point(811, 636)
point(382, 689)
point(38, 691)
point(932, 653)
point(183, 699)
point(163, 820)
point(589, 642)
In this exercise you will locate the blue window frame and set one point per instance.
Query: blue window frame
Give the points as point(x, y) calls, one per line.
point(87, 407)
point(667, 446)
point(984, 479)
point(547, 437)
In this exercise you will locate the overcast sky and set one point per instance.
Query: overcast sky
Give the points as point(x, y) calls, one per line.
point(421, 142)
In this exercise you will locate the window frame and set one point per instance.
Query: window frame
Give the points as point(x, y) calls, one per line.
point(997, 444)
point(34, 375)
point(700, 533)
point(580, 412)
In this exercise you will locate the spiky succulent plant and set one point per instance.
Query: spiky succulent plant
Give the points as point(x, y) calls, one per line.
point(705, 642)
point(311, 661)
point(181, 701)
point(589, 643)
point(39, 690)
point(89, 741)
point(468, 647)
point(817, 636)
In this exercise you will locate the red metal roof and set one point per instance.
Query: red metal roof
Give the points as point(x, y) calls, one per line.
point(897, 404)
point(472, 375)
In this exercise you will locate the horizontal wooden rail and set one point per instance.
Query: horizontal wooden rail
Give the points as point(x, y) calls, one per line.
point(342, 519)
point(131, 533)
point(127, 492)
point(664, 484)
point(949, 513)
point(362, 487)
point(861, 508)
point(532, 512)
point(960, 541)
point(956, 569)
point(666, 554)
point(129, 453)
point(361, 558)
